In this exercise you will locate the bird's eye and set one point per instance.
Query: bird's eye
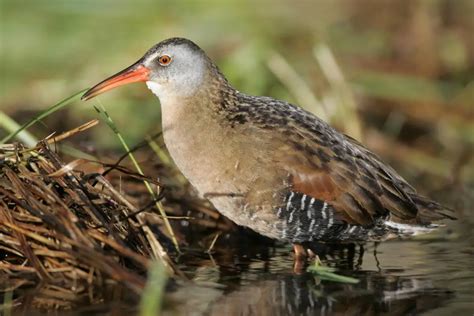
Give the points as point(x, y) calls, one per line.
point(164, 60)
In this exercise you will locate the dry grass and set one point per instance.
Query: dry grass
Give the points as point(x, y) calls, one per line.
point(71, 232)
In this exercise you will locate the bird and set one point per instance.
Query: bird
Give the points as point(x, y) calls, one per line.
point(270, 165)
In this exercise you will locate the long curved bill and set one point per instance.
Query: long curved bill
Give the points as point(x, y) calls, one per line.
point(135, 73)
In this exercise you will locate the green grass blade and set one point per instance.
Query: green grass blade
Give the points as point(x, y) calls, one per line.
point(44, 114)
point(158, 151)
point(327, 273)
point(152, 296)
point(159, 206)
point(11, 126)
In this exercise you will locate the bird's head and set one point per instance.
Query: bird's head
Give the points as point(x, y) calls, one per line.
point(173, 67)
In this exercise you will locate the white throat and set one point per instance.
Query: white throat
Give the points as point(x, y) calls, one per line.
point(156, 89)
point(170, 92)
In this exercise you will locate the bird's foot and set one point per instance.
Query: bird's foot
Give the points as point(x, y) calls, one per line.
point(301, 256)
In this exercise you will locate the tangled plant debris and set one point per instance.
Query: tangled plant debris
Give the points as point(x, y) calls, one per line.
point(69, 231)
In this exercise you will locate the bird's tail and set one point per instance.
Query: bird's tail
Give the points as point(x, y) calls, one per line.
point(429, 210)
point(403, 230)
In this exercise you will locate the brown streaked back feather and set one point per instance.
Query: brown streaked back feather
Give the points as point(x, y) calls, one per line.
point(329, 166)
point(354, 181)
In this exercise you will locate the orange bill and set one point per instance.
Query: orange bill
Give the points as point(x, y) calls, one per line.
point(134, 73)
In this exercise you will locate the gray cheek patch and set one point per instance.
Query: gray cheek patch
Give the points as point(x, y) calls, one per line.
point(182, 77)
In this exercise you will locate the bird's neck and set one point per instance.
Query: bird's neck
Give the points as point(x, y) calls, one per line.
point(194, 116)
point(212, 95)
point(197, 137)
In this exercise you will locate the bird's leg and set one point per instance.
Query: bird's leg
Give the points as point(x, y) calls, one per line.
point(300, 252)
point(300, 258)
point(376, 244)
point(361, 256)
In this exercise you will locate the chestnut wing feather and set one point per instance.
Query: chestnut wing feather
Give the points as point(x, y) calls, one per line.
point(329, 166)
point(350, 178)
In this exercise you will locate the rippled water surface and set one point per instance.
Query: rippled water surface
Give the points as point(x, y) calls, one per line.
point(248, 275)
point(434, 275)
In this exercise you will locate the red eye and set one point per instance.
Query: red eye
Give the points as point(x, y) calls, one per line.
point(164, 60)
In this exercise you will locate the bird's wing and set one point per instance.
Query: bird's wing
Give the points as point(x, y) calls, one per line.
point(329, 166)
point(347, 176)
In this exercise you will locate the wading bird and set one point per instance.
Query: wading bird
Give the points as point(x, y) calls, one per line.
point(270, 165)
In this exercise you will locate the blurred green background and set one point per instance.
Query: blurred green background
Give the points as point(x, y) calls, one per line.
point(399, 75)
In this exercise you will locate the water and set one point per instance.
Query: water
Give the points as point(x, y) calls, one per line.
point(250, 275)
point(433, 276)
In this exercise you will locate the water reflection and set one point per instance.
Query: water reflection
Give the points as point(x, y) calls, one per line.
point(302, 295)
point(247, 275)
point(266, 286)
